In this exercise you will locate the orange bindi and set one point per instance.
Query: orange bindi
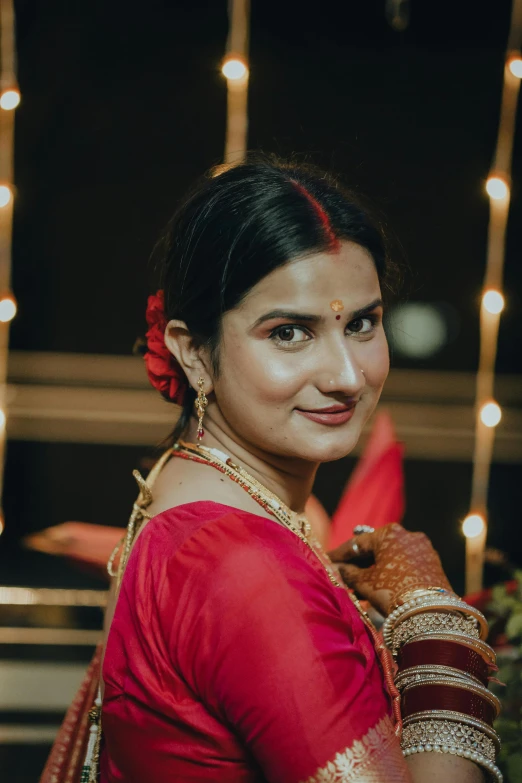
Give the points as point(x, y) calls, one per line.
point(337, 305)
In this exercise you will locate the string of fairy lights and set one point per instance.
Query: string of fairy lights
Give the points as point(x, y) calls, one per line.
point(488, 411)
point(9, 100)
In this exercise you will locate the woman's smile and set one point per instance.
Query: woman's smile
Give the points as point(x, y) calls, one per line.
point(332, 416)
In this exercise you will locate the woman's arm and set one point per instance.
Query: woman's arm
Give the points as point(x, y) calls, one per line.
point(443, 665)
point(438, 768)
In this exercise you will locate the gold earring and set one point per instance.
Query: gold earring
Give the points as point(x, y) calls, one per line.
point(201, 403)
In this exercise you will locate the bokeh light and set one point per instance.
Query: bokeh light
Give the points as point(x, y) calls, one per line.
point(7, 309)
point(234, 69)
point(9, 100)
point(493, 302)
point(418, 329)
point(497, 188)
point(5, 195)
point(490, 414)
point(473, 525)
point(515, 66)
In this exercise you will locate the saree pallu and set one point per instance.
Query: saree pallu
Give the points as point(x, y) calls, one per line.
point(68, 752)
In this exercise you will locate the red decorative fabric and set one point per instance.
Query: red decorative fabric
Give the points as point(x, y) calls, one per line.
point(164, 372)
point(231, 656)
point(374, 494)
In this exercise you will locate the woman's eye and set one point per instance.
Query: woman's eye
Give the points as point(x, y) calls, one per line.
point(290, 334)
point(361, 325)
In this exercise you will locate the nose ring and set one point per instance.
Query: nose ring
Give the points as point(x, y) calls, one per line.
point(363, 373)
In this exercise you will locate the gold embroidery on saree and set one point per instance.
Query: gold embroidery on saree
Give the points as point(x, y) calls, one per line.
point(361, 762)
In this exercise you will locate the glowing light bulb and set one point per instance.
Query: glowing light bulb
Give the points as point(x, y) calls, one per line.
point(9, 100)
point(515, 66)
point(234, 69)
point(490, 414)
point(5, 195)
point(497, 188)
point(473, 525)
point(493, 302)
point(7, 309)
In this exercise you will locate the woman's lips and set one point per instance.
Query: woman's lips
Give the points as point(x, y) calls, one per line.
point(330, 416)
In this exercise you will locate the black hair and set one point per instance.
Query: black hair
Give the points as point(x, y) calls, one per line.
point(238, 225)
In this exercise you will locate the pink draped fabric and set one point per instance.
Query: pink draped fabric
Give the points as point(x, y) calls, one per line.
point(231, 656)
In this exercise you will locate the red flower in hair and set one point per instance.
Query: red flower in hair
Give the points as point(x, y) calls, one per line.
point(164, 371)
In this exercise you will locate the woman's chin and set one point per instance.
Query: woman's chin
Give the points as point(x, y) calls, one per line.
point(331, 448)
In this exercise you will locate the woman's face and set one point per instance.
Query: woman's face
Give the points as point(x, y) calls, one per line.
point(303, 359)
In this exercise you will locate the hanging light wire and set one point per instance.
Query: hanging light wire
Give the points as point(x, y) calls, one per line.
point(236, 71)
point(9, 99)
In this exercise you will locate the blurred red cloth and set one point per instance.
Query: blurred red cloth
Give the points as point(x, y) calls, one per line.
point(374, 494)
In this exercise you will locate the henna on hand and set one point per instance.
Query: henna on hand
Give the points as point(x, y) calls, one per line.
point(402, 561)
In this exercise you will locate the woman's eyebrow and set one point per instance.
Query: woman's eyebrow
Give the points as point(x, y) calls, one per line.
point(364, 310)
point(289, 315)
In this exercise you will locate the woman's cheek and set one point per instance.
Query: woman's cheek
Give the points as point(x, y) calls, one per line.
point(376, 363)
point(270, 375)
point(283, 377)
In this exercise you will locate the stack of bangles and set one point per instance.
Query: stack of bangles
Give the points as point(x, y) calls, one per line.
point(444, 666)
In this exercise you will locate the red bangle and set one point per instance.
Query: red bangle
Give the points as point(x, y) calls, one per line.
point(443, 697)
point(436, 652)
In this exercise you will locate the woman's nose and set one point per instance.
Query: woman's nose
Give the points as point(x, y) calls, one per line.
point(341, 373)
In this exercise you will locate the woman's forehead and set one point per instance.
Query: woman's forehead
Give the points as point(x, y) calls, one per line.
point(317, 280)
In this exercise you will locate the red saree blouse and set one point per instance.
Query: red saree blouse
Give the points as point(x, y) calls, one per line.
point(232, 657)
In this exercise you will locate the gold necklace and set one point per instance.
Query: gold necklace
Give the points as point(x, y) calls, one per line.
point(297, 523)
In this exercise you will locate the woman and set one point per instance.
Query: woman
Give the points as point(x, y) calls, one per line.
point(234, 651)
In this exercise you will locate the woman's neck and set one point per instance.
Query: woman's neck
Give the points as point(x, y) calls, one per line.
point(291, 480)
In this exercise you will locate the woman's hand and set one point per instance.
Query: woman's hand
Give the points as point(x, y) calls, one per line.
point(399, 561)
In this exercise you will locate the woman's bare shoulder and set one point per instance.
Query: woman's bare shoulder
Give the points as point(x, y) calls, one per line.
point(181, 482)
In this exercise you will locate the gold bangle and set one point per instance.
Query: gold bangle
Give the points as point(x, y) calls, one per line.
point(455, 717)
point(431, 604)
point(419, 592)
point(422, 672)
point(453, 608)
point(455, 738)
point(417, 624)
point(444, 732)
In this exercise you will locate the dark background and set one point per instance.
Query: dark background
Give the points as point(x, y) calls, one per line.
point(123, 105)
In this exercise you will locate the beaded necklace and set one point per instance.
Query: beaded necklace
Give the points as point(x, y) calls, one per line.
point(300, 526)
